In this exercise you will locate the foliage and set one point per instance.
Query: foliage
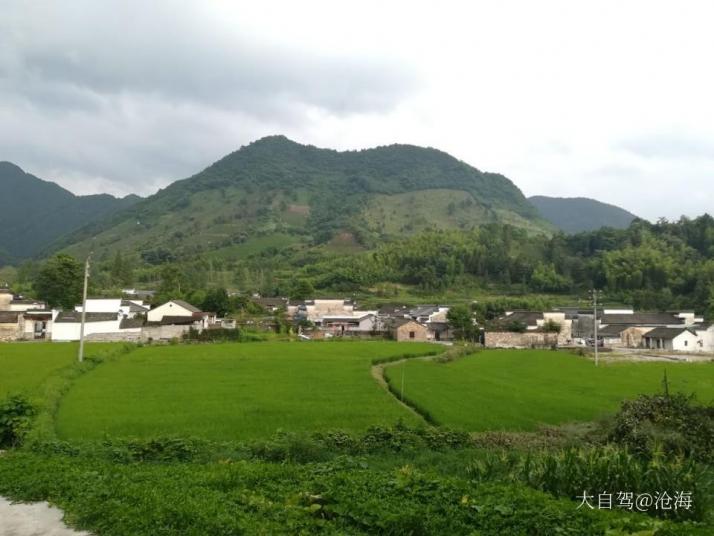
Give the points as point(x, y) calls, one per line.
point(217, 301)
point(668, 424)
point(340, 496)
point(574, 215)
point(551, 326)
point(59, 281)
point(573, 471)
point(35, 213)
point(220, 335)
point(461, 321)
point(16, 413)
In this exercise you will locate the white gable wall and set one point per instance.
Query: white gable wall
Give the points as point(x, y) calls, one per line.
point(69, 331)
point(167, 309)
point(101, 305)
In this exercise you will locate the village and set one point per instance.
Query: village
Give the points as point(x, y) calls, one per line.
point(131, 318)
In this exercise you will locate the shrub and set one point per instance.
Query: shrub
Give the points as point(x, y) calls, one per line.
point(15, 419)
point(568, 472)
point(663, 423)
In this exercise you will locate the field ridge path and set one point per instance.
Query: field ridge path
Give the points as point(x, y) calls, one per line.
point(377, 372)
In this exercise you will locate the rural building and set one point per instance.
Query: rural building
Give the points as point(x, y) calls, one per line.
point(408, 330)
point(173, 308)
point(358, 323)
point(314, 310)
point(530, 329)
point(11, 325)
point(428, 313)
point(22, 318)
point(705, 332)
point(38, 324)
point(272, 305)
point(674, 339)
point(66, 325)
point(439, 331)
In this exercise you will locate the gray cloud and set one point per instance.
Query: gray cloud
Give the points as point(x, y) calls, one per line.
point(128, 96)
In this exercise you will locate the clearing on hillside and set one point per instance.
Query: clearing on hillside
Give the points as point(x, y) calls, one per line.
point(234, 391)
point(520, 389)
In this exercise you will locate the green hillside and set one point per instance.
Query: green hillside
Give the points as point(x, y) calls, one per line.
point(275, 187)
point(34, 212)
point(578, 214)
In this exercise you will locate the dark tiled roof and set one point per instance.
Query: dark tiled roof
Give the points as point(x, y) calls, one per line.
point(131, 323)
point(187, 306)
point(641, 319)
point(424, 310)
point(133, 307)
point(611, 331)
point(529, 318)
point(665, 333)
point(438, 326)
point(177, 320)
point(399, 322)
point(9, 317)
point(69, 317)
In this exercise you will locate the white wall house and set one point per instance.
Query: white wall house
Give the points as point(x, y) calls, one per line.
point(673, 339)
point(66, 325)
point(358, 322)
point(172, 308)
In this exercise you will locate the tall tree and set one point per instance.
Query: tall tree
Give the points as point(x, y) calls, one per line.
point(461, 321)
point(59, 281)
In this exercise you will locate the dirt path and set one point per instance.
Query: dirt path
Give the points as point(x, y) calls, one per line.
point(33, 519)
point(377, 372)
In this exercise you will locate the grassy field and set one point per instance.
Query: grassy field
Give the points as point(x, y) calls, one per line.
point(24, 367)
point(233, 391)
point(518, 390)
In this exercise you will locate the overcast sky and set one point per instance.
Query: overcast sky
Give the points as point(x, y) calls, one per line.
point(611, 100)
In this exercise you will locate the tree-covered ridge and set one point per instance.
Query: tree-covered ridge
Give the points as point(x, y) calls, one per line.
point(652, 266)
point(578, 214)
point(275, 186)
point(34, 212)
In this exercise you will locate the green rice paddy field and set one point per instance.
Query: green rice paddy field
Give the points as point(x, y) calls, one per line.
point(25, 366)
point(234, 391)
point(520, 389)
point(251, 390)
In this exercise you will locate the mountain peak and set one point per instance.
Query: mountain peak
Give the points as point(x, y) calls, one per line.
point(577, 214)
point(9, 167)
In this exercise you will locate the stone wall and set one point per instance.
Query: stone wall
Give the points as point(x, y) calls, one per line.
point(533, 339)
point(129, 336)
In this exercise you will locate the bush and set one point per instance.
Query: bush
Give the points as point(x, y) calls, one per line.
point(15, 419)
point(220, 335)
point(662, 423)
point(163, 449)
point(569, 472)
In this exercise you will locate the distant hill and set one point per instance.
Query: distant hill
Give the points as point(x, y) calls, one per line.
point(275, 193)
point(577, 214)
point(34, 213)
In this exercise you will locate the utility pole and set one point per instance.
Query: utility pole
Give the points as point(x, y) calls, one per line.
point(595, 294)
point(84, 309)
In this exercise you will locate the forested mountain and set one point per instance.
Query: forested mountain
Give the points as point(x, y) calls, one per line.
point(34, 212)
point(282, 193)
point(576, 214)
point(650, 266)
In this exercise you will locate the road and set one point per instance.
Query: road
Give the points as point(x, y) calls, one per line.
point(34, 519)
